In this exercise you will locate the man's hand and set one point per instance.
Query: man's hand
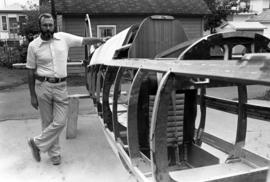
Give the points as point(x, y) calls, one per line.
point(34, 102)
point(105, 39)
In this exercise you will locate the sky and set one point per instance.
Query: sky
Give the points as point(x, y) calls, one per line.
point(10, 2)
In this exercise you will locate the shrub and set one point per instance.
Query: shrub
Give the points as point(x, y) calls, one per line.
point(11, 55)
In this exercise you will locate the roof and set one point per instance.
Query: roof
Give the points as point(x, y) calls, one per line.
point(12, 11)
point(122, 7)
point(13, 8)
point(239, 25)
point(262, 17)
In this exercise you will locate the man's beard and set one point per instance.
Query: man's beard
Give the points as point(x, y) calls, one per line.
point(47, 35)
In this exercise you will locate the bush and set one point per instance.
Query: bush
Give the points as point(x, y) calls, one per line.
point(23, 52)
point(11, 55)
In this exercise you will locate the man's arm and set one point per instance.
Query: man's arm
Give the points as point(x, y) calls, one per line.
point(92, 40)
point(31, 84)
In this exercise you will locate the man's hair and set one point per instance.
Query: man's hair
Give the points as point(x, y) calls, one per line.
point(44, 15)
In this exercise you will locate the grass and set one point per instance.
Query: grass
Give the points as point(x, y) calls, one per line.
point(10, 78)
point(76, 80)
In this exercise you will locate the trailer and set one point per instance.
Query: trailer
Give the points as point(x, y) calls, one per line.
point(148, 84)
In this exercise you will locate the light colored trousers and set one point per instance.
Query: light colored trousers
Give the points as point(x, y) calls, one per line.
point(53, 107)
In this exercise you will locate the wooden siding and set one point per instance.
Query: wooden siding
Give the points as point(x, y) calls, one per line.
point(193, 27)
point(75, 25)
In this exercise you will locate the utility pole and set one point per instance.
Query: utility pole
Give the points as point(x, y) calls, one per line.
point(54, 13)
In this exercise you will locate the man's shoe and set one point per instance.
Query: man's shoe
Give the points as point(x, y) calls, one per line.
point(56, 160)
point(35, 150)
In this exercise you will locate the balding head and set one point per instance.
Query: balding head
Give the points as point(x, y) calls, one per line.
point(42, 16)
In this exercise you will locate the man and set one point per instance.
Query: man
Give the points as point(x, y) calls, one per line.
point(47, 63)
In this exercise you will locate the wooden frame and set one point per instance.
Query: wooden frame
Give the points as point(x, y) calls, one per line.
point(158, 134)
point(183, 71)
point(107, 83)
point(119, 130)
point(98, 91)
point(133, 138)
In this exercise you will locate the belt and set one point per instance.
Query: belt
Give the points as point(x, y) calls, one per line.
point(50, 79)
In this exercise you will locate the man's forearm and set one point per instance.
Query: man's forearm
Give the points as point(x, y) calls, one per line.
point(92, 40)
point(31, 82)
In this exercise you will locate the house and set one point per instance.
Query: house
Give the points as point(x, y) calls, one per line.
point(109, 17)
point(263, 18)
point(240, 20)
point(232, 26)
point(248, 8)
point(10, 19)
point(257, 6)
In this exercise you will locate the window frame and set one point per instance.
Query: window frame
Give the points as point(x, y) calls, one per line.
point(6, 23)
point(13, 26)
point(105, 26)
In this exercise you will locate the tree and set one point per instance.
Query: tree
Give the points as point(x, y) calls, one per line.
point(31, 25)
point(220, 10)
point(219, 13)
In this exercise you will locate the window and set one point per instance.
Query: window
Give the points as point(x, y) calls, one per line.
point(106, 31)
point(13, 25)
point(4, 22)
point(22, 20)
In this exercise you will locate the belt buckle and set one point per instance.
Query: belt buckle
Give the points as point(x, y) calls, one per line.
point(51, 79)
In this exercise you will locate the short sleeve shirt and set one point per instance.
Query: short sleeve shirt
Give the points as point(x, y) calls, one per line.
point(49, 58)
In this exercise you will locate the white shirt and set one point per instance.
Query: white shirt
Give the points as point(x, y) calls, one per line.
point(49, 58)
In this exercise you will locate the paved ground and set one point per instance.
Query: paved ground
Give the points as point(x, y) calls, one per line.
point(86, 158)
point(223, 125)
point(89, 157)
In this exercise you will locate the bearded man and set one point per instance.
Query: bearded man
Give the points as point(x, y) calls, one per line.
point(47, 63)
